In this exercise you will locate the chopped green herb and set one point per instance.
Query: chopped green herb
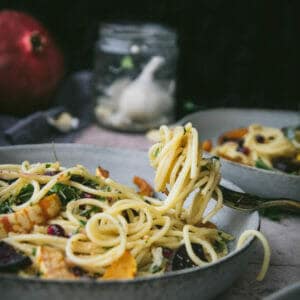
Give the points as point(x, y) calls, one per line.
point(77, 230)
point(219, 246)
point(205, 168)
point(90, 183)
point(24, 195)
point(127, 63)
point(156, 152)
point(262, 165)
point(66, 193)
point(107, 248)
point(225, 236)
point(88, 212)
point(82, 223)
point(77, 178)
point(5, 207)
point(106, 188)
point(101, 198)
point(215, 157)
point(87, 182)
point(155, 269)
point(48, 165)
point(39, 274)
point(33, 251)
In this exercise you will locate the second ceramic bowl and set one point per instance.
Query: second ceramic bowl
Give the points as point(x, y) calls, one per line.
point(270, 184)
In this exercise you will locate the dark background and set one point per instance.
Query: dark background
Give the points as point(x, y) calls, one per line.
point(233, 53)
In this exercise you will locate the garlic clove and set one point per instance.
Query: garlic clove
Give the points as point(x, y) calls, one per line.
point(65, 122)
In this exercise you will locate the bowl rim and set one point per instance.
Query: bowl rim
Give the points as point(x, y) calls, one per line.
point(255, 169)
point(235, 109)
point(187, 118)
point(233, 254)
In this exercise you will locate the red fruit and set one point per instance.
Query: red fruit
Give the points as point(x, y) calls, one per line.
point(31, 65)
point(55, 229)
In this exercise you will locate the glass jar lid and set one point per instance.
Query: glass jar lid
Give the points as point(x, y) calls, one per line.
point(136, 37)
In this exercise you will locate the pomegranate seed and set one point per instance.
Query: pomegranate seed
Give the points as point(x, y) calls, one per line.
point(181, 259)
point(167, 253)
point(51, 173)
point(77, 271)
point(87, 195)
point(55, 229)
point(243, 150)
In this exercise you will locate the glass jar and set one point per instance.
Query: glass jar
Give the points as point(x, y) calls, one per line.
point(134, 76)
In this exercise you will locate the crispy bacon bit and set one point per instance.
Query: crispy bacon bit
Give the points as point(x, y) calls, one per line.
point(102, 172)
point(123, 268)
point(24, 220)
point(208, 224)
point(237, 159)
point(6, 224)
point(232, 135)
point(207, 145)
point(144, 187)
point(166, 191)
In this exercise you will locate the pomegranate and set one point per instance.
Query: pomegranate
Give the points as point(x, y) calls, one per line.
point(31, 64)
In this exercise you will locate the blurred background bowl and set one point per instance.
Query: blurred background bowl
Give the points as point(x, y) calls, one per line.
point(270, 184)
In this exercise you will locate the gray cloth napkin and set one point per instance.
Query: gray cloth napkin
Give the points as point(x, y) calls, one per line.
point(74, 96)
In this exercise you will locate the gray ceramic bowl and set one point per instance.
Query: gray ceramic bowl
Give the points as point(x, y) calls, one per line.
point(196, 283)
point(212, 123)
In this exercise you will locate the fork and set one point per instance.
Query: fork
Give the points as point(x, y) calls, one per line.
point(249, 202)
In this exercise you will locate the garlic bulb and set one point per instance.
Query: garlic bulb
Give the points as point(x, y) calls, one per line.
point(144, 100)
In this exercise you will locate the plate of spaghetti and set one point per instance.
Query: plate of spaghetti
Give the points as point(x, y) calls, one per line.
point(259, 149)
point(84, 221)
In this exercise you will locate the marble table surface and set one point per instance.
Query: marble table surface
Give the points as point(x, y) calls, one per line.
point(283, 235)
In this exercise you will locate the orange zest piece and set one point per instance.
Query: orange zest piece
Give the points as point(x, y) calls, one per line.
point(102, 172)
point(123, 268)
point(207, 145)
point(50, 206)
point(52, 264)
point(232, 135)
point(145, 188)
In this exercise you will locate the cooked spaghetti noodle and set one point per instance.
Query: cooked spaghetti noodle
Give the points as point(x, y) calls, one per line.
point(102, 222)
point(259, 146)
